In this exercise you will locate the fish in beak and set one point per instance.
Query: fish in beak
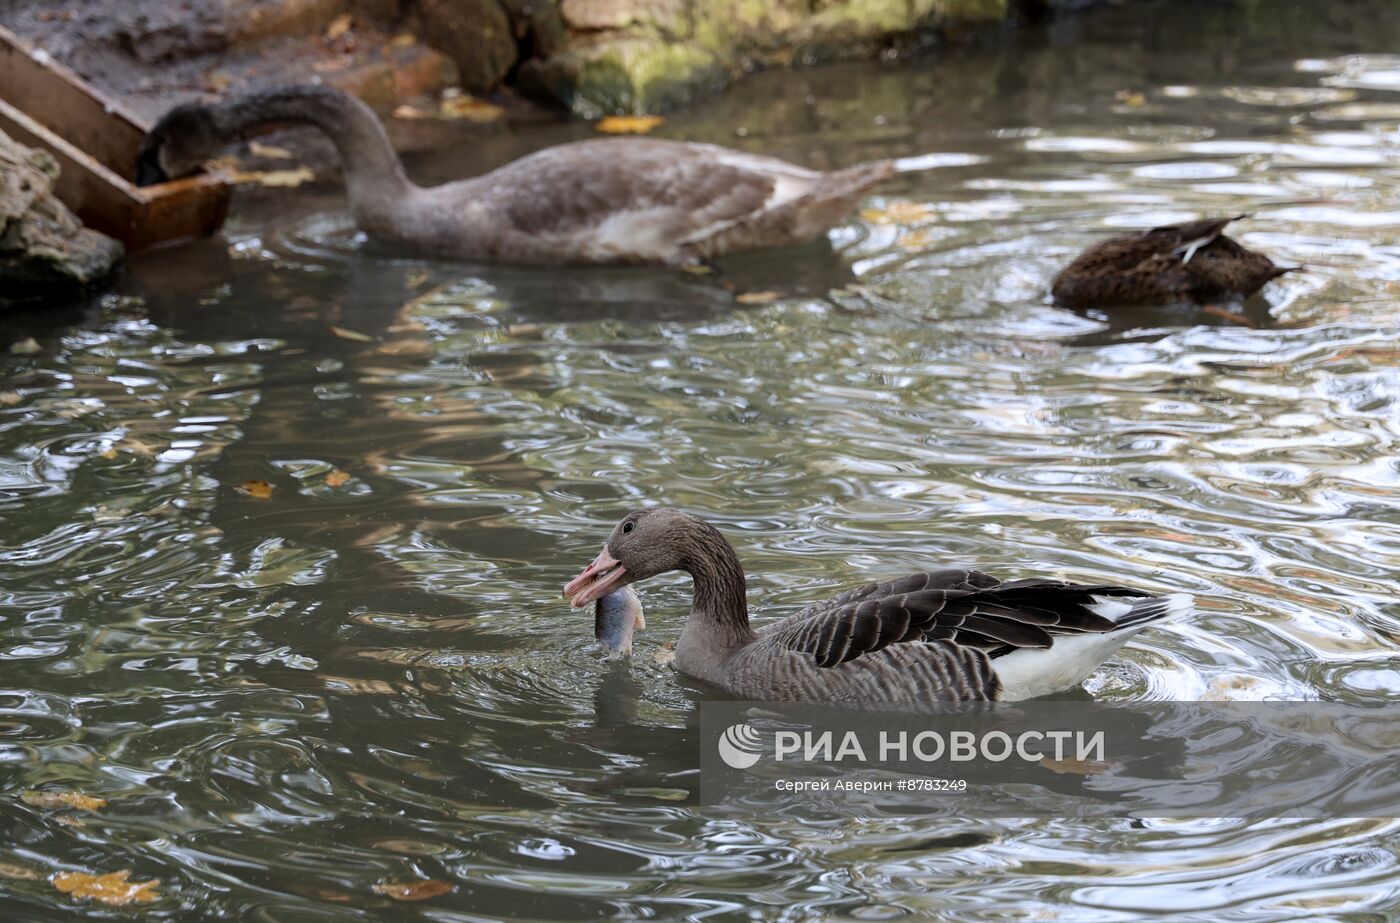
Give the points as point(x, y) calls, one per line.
point(616, 616)
point(597, 579)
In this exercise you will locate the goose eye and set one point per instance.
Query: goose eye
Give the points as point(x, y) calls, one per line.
point(628, 527)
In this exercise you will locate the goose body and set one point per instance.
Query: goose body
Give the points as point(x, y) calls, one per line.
point(915, 642)
point(1174, 264)
point(615, 200)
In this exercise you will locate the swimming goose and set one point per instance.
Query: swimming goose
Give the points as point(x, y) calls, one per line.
point(615, 200)
point(942, 636)
point(1173, 264)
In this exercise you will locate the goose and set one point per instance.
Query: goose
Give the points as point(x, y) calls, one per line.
point(915, 642)
point(616, 616)
point(602, 201)
point(1172, 264)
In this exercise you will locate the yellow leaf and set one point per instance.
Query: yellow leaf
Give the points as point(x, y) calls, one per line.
point(339, 26)
point(697, 269)
point(411, 112)
point(17, 872)
point(52, 801)
point(268, 150)
point(272, 178)
point(337, 478)
point(417, 890)
point(9, 397)
point(109, 454)
point(898, 213)
point(260, 490)
point(346, 333)
point(628, 124)
point(402, 40)
point(469, 108)
point(914, 240)
point(217, 82)
point(757, 297)
point(1130, 98)
point(25, 347)
point(1075, 767)
point(112, 889)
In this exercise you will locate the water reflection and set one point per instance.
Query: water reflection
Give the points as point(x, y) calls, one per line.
point(369, 678)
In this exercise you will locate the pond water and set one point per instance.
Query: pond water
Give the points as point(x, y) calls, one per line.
point(371, 677)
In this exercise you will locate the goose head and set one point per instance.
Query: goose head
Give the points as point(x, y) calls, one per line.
point(645, 543)
point(178, 144)
point(615, 617)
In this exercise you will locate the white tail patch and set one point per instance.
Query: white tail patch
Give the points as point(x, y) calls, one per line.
point(921, 162)
point(1110, 608)
point(1032, 672)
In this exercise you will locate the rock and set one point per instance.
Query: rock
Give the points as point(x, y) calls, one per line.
point(639, 56)
point(476, 34)
point(44, 250)
point(626, 76)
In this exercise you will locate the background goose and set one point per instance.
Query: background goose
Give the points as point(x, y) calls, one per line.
point(1173, 264)
point(617, 200)
point(941, 636)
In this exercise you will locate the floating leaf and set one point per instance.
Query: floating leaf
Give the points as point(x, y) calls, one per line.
point(52, 801)
point(697, 269)
point(915, 240)
point(268, 150)
point(25, 347)
point(898, 213)
point(469, 108)
point(402, 40)
point(337, 478)
point(339, 26)
point(109, 454)
point(628, 124)
point(757, 297)
point(260, 490)
point(112, 889)
point(17, 872)
point(417, 890)
point(7, 398)
point(284, 179)
point(346, 333)
point(406, 111)
point(217, 82)
point(1130, 98)
point(1075, 767)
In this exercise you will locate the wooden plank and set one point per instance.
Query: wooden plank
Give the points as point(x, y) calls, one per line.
point(95, 141)
point(57, 98)
point(138, 217)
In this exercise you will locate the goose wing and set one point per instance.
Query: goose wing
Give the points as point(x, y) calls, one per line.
point(686, 187)
point(962, 608)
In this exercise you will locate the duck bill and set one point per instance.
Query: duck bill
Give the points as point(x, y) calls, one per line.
point(598, 579)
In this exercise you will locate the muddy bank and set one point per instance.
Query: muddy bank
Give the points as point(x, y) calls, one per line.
point(592, 56)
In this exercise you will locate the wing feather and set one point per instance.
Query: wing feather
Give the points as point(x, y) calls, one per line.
point(954, 607)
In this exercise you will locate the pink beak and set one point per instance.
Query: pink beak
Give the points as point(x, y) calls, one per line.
point(597, 580)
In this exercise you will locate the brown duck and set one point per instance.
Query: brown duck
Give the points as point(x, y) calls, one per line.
point(1174, 264)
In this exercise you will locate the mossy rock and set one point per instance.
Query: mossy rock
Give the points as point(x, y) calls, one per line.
point(629, 76)
point(44, 250)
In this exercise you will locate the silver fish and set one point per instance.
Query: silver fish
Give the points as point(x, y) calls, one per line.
point(615, 617)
